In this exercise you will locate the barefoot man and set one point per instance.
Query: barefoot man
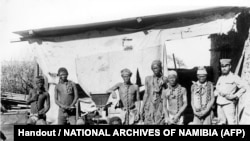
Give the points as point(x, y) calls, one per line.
point(40, 103)
point(202, 98)
point(152, 109)
point(174, 100)
point(129, 96)
point(66, 96)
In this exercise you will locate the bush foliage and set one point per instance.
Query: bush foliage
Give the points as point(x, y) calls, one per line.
point(17, 77)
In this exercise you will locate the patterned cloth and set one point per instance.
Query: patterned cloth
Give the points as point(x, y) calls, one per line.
point(129, 94)
point(201, 97)
point(201, 94)
point(174, 99)
point(153, 105)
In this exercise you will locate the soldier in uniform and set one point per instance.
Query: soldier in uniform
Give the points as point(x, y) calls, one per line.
point(229, 88)
point(202, 98)
point(174, 100)
point(40, 103)
point(152, 109)
point(66, 96)
point(129, 96)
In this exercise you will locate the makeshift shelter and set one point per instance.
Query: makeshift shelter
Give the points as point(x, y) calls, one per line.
point(95, 53)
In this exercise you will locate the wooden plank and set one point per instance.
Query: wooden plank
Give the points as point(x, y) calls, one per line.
point(14, 112)
point(13, 97)
point(15, 101)
point(15, 107)
point(23, 105)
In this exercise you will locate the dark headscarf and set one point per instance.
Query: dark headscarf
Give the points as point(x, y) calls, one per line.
point(62, 70)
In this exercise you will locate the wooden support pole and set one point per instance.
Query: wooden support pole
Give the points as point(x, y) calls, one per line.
point(174, 62)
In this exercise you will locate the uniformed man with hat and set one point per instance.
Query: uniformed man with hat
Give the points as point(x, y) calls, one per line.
point(229, 88)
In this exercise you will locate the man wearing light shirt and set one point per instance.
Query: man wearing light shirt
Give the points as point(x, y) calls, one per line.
point(229, 88)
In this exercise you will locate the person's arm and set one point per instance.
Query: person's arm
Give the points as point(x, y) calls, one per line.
point(145, 96)
point(242, 89)
point(113, 89)
point(56, 99)
point(192, 100)
point(184, 106)
point(47, 106)
point(216, 91)
point(75, 95)
point(47, 103)
point(165, 82)
point(144, 100)
point(211, 102)
point(31, 97)
point(241, 85)
point(165, 107)
point(138, 102)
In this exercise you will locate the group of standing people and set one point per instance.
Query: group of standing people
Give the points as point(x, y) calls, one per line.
point(164, 100)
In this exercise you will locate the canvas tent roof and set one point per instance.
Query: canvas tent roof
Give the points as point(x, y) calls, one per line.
point(132, 24)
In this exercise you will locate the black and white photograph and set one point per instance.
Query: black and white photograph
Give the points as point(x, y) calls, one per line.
point(127, 63)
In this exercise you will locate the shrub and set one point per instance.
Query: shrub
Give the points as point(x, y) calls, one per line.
point(17, 77)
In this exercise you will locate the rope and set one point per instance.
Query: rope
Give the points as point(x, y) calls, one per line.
point(128, 108)
point(37, 92)
point(177, 96)
point(202, 93)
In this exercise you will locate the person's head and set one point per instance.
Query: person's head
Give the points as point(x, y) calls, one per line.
point(202, 75)
point(126, 75)
point(172, 78)
point(63, 74)
point(156, 67)
point(225, 66)
point(115, 121)
point(39, 82)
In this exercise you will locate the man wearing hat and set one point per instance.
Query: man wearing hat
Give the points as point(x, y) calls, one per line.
point(129, 96)
point(40, 103)
point(152, 109)
point(174, 100)
point(202, 98)
point(66, 96)
point(229, 88)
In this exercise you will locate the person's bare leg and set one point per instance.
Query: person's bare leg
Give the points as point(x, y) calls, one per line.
point(41, 122)
point(30, 122)
point(72, 120)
